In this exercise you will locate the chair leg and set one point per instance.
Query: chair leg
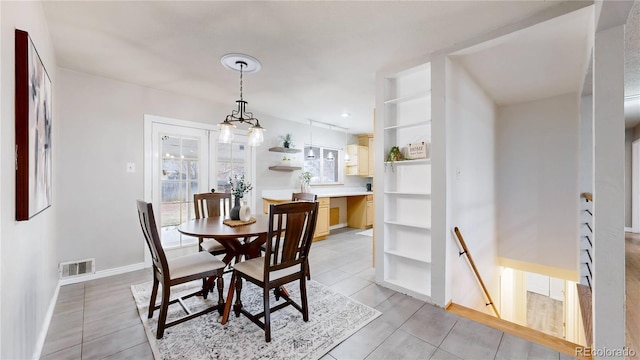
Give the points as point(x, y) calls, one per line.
point(303, 297)
point(307, 270)
point(238, 305)
point(267, 316)
point(152, 300)
point(205, 289)
point(164, 309)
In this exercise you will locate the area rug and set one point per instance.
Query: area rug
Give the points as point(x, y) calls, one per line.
point(333, 317)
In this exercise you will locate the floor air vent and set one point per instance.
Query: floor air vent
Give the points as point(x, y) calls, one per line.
point(75, 268)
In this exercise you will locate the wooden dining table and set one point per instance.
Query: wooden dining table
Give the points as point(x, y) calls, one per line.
point(239, 241)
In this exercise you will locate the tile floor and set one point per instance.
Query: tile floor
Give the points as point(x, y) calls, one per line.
point(99, 320)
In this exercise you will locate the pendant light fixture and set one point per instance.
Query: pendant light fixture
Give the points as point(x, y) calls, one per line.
point(310, 154)
point(242, 63)
point(330, 157)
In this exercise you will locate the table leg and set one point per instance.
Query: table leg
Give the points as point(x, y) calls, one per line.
point(227, 305)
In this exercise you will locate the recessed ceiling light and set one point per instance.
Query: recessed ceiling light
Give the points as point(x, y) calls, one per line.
point(345, 114)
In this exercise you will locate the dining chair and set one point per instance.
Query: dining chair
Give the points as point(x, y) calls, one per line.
point(180, 270)
point(211, 204)
point(291, 226)
point(305, 197)
point(300, 197)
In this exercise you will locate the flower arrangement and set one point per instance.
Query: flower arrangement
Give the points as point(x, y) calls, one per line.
point(239, 186)
point(305, 177)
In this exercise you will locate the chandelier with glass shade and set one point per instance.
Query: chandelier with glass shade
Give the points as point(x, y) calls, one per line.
point(242, 63)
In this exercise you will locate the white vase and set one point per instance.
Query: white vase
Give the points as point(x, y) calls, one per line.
point(245, 212)
point(304, 187)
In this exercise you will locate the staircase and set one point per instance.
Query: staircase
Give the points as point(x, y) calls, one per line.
point(538, 337)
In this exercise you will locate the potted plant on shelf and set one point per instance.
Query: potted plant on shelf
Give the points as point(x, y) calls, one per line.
point(394, 155)
point(286, 141)
point(305, 180)
point(239, 187)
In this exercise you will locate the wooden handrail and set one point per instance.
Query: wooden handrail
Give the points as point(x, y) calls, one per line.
point(465, 251)
point(587, 196)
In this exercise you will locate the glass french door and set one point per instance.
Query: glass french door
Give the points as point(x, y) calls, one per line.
point(180, 169)
point(183, 158)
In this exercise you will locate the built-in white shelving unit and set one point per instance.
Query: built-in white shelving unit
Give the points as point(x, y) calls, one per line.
point(406, 193)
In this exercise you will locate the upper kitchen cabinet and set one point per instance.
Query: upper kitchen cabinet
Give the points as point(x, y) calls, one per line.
point(358, 163)
point(367, 140)
point(360, 157)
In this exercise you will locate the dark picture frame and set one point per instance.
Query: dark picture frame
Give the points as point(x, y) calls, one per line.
point(33, 106)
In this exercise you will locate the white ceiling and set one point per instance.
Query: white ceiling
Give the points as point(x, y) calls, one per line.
point(319, 59)
point(544, 60)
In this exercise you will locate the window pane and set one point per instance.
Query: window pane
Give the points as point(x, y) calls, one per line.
point(170, 191)
point(224, 171)
point(329, 166)
point(171, 147)
point(170, 214)
point(238, 152)
point(170, 236)
point(312, 165)
point(170, 169)
point(189, 149)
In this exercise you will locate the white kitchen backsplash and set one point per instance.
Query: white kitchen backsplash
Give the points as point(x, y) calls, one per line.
point(320, 191)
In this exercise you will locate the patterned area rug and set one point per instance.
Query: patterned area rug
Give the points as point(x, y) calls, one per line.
point(333, 317)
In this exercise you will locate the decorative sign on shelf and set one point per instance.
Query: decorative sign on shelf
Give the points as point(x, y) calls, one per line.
point(419, 150)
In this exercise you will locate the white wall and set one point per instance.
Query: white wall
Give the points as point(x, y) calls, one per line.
point(586, 144)
point(538, 193)
point(100, 130)
point(471, 148)
point(608, 245)
point(28, 252)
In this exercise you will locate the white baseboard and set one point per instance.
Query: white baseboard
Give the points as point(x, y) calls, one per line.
point(47, 321)
point(337, 226)
point(103, 273)
point(631, 230)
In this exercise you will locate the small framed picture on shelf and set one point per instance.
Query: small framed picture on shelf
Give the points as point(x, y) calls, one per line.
point(418, 150)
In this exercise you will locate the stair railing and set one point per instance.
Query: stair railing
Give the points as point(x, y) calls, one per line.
point(586, 263)
point(465, 251)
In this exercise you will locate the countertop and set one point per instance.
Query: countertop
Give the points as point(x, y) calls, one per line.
point(285, 194)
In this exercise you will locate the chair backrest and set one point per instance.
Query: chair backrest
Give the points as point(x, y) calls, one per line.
point(150, 231)
point(291, 228)
point(211, 204)
point(304, 197)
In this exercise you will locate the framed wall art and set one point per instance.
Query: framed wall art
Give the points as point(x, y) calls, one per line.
point(33, 106)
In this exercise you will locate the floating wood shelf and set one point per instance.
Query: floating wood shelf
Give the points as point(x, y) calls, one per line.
point(285, 168)
point(284, 150)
